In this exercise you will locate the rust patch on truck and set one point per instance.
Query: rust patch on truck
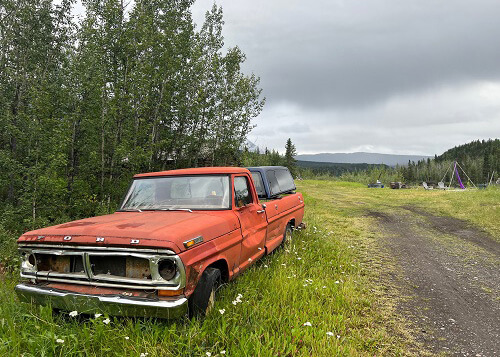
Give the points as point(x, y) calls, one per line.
point(129, 225)
point(193, 275)
point(76, 224)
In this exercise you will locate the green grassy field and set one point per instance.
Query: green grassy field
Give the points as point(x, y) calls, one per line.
point(328, 278)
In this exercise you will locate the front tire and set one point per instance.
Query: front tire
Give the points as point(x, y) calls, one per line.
point(203, 298)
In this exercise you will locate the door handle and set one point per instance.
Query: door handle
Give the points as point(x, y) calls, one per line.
point(261, 211)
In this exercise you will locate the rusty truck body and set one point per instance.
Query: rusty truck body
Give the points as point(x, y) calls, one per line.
point(176, 237)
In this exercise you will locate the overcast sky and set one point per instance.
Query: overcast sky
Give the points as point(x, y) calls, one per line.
point(401, 77)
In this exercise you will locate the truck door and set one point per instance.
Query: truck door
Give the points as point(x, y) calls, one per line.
point(252, 219)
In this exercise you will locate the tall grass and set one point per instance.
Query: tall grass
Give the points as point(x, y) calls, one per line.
point(317, 280)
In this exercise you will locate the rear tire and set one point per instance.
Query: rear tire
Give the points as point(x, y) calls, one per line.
point(203, 298)
point(287, 236)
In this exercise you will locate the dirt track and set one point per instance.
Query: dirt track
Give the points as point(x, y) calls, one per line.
point(450, 272)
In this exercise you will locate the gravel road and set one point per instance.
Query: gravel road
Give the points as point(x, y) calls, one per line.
point(450, 272)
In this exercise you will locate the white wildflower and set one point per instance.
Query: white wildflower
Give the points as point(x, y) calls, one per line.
point(127, 338)
point(208, 354)
point(283, 264)
point(223, 352)
point(222, 311)
point(106, 321)
point(97, 315)
point(265, 266)
point(307, 324)
point(324, 287)
point(299, 258)
point(60, 340)
point(73, 313)
point(338, 336)
point(330, 333)
point(337, 282)
point(235, 302)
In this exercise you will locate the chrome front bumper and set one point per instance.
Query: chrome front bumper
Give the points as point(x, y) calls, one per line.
point(111, 304)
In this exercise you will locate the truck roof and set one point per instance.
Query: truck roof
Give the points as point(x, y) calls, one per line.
point(196, 171)
point(264, 168)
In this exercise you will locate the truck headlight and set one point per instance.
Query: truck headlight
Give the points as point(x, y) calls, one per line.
point(28, 262)
point(167, 269)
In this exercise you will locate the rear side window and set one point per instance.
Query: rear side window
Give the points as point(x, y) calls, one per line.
point(285, 180)
point(242, 195)
point(273, 182)
point(259, 184)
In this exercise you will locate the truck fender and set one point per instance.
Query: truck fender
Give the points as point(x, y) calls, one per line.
point(197, 269)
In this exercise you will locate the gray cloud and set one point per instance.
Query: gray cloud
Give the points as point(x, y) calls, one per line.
point(389, 76)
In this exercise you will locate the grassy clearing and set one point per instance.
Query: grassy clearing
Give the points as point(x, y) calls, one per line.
point(479, 207)
point(329, 276)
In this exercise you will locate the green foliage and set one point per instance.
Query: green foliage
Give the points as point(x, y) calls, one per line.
point(85, 106)
point(479, 158)
point(268, 158)
point(333, 169)
point(290, 153)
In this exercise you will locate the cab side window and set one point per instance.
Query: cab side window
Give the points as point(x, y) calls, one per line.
point(242, 195)
point(259, 184)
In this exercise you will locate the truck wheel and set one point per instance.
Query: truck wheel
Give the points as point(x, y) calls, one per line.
point(203, 298)
point(287, 236)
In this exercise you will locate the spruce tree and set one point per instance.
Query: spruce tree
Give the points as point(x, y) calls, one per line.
point(290, 153)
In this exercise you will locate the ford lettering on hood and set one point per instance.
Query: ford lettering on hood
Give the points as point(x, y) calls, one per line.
point(166, 229)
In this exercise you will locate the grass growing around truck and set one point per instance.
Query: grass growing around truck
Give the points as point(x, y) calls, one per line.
point(321, 295)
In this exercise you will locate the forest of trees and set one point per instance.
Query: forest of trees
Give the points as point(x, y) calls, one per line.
point(86, 103)
point(479, 159)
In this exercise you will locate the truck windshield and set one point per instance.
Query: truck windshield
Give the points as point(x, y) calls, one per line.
point(200, 192)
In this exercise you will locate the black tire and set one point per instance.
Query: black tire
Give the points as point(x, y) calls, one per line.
point(203, 298)
point(287, 235)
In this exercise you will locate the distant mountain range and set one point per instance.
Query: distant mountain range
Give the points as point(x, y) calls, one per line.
point(362, 158)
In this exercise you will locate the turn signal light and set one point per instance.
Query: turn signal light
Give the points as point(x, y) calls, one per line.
point(170, 292)
point(191, 242)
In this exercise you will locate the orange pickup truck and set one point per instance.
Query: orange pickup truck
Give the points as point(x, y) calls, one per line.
point(177, 236)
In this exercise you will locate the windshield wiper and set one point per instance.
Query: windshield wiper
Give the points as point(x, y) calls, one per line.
point(131, 210)
point(175, 209)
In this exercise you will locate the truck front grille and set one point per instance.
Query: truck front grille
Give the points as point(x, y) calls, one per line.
point(60, 264)
point(100, 266)
point(121, 266)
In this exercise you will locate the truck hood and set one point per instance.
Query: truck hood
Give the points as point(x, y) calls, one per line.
point(155, 229)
